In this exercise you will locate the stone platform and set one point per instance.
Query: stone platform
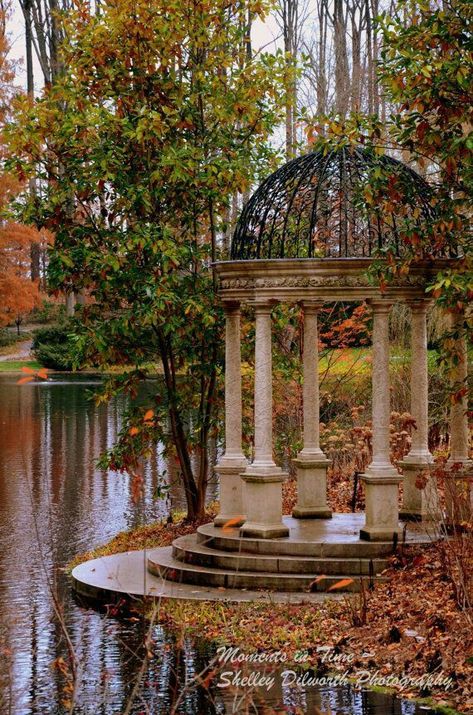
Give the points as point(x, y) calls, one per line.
point(216, 564)
point(218, 557)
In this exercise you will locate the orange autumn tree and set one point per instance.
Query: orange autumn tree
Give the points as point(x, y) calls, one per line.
point(18, 293)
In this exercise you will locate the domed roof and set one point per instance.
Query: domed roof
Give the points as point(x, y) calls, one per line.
point(321, 205)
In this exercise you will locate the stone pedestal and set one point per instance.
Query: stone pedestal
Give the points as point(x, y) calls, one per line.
point(233, 461)
point(263, 492)
point(419, 504)
point(381, 514)
point(232, 501)
point(311, 487)
point(263, 479)
point(381, 478)
point(311, 463)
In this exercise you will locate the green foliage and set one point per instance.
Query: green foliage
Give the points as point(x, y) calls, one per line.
point(8, 338)
point(427, 71)
point(53, 347)
point(48, 312)
point(161, 118)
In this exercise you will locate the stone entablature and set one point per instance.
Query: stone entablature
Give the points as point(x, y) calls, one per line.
point(331, 279)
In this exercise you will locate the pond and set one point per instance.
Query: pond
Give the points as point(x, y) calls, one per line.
point(55, 503)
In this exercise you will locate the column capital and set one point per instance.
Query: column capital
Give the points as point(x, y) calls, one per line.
point(312, 306)
point(380, 305)
point(231, 307)
point(419, 305)
point(263, 305)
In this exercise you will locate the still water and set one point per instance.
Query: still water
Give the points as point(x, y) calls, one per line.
point(54, 503)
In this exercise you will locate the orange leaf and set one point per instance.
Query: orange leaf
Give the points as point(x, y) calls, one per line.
point(235, 521)
point(24, 380)
point(208, 679)
point(133, 431)
point(341, 584)
point(43, 373)
point(28, 370)
point(315, 582)
point(148, 416)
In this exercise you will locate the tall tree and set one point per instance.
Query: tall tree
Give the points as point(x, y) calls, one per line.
point(18, 294)
point(43, 33)
point(291, 15)
point(427, 71)
point(157, 123)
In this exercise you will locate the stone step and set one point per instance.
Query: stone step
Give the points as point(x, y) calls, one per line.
point(348, 546)
point(191, 551)
point(161, 563)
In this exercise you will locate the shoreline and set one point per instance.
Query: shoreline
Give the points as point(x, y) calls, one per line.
point(404, 645)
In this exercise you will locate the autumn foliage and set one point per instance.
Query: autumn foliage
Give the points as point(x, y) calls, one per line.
point(18, 293)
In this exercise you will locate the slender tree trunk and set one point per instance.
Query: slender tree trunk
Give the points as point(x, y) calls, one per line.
point(341, 58)
point(356, 29)
point(369, 58)
point(375, 12)
point(35, 249)
point(289, 16)
point(178, 432)
point(322, 59)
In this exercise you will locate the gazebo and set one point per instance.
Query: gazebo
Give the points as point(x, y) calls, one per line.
point(305, 237)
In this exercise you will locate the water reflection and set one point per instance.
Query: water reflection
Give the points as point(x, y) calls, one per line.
point(54, 502)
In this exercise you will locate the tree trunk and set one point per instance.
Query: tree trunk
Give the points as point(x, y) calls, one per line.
point(194, 509)
point(341, 59)
point(322, 59)
point(356, 28)
point(369, 58)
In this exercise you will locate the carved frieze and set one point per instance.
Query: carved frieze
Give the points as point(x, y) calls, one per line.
point(340, 281)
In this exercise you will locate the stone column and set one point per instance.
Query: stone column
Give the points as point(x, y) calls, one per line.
point(311, 462)
point(263, 479)
point(233, 461)
point(419, 503)
point(381, 478)
point(459, 481)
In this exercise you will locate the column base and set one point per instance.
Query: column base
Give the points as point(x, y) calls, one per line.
point(263, 531)
point(379, 534)
point(419, 504)
point(235, 519)
point(311, 487)
point(263, 490)
point(300, 512)
point(382, 511)
point(232, 506)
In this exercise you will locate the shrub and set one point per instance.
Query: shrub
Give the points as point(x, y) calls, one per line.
point(52, 347)
point(48, 312)
point(7, 338)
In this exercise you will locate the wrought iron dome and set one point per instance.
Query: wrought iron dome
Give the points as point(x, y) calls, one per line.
point(316, 207)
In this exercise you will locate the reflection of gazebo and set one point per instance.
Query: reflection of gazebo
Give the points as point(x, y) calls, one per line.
point(308, 235)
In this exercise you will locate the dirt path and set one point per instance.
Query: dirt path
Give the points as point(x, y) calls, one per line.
point(22, 352)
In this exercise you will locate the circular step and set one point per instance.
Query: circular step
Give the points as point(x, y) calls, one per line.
point(162, 563)
point(320, 538)
point(192, 551)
